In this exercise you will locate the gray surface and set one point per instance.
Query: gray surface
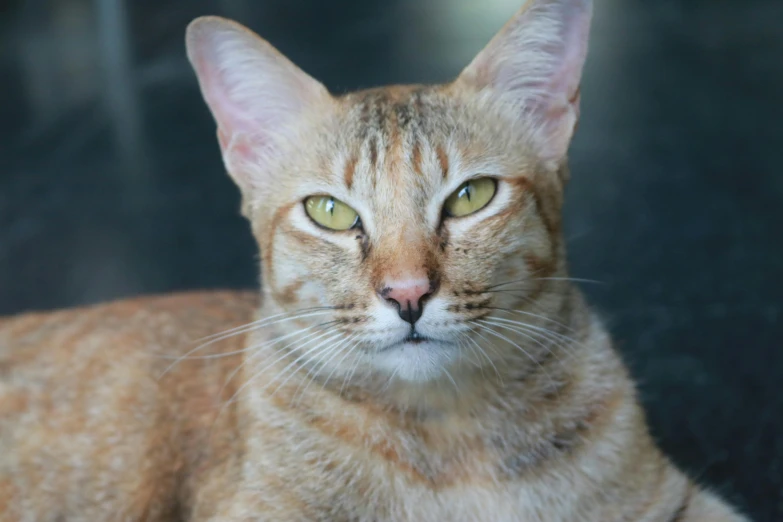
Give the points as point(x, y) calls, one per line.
point(111, 183)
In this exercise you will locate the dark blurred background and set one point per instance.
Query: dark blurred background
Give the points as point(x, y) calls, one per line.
point(111, 183)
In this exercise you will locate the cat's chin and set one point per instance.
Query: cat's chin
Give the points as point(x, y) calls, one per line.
point(416, 360)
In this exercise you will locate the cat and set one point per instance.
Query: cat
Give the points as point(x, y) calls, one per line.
point(417, 351)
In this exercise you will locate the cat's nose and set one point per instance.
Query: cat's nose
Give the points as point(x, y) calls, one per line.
point(408, 296)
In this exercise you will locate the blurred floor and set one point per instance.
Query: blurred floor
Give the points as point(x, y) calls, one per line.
point(111, 183)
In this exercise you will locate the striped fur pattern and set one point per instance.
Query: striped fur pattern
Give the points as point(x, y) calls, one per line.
point(312, 404)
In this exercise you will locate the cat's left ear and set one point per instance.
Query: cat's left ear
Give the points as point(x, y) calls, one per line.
point(535, 62)
point(256, 95)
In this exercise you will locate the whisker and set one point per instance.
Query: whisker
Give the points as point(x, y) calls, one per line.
point(524, 295)
point(531, 314)
point(349, 376)
point(503, 337)
point(337, 350)
point(317, 366)
point(256, 374)
point(522, 292)
point(264, 319)
point(190, 353)
point(498, 285)
point(544, 331)
point(530, 333)
point(259, 351)
point(350, 350)
point(489, 344)
point(464, 347)
point(571, 279)
point(257, 325)
point(318, 350)
point(483, 352)
point(456, 388)
point(252, 348)
point(390, 380)
point(533, 278)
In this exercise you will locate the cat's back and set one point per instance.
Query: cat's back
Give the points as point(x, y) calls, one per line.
point(84, 343)
point(96, 398)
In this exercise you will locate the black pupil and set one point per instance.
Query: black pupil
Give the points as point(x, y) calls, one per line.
point(330, 206)
point(466, 191)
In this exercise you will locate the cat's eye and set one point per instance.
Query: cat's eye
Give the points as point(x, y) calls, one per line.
point(331, 213)
point(470, 197)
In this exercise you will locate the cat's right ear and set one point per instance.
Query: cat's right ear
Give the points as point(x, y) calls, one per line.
point(256, 95)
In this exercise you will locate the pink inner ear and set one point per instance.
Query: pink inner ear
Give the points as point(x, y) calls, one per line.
point(248, 85)
point(240, 146)
point(255, 94)
point(575, 36)
point(233, 93)
point(245, 155)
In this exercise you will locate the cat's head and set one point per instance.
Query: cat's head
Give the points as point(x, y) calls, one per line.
point(400, 223)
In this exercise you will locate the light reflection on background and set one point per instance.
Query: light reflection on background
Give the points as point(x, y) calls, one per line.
point(458, 29)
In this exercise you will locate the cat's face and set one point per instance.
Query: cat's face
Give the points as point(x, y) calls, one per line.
point(392, 222)
point(438, 201)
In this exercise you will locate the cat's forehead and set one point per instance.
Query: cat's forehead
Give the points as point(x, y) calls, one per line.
point(398, 138)
point(400, 151)
point(394, 112)
point(412, 124)
point(394, 145)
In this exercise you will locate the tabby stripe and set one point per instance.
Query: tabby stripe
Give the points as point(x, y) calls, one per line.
point(373, 145)
point(349, 171)
point(550, 221)
point(564, 442)
point(443, 159)
point(416, 158)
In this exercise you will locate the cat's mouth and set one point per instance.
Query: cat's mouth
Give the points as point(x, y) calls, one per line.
point(413, 337)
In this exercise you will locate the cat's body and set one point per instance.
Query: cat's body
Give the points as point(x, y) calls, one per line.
point(419, 354)
point(95, 434)
point(88, 429)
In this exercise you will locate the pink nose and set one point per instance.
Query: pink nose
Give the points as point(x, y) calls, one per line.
point(408, 295)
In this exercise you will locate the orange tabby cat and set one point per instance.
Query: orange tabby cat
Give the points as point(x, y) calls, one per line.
point(418, 353)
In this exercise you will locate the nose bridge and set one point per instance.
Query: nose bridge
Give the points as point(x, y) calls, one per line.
point(407, 264)
point(403, 258)
point(405, 273)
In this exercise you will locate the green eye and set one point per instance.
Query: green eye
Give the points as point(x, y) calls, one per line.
point(470, 197)
point(331, 213)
